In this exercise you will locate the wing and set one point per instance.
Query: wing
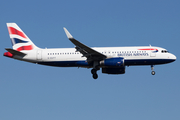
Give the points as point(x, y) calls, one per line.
point(89, 53)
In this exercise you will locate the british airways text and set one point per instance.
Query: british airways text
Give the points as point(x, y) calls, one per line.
point(133, 54)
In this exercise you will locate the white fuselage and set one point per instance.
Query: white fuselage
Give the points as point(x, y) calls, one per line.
point(68, 57)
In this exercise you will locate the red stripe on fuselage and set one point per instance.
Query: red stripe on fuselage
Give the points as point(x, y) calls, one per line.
point(148, 49)
point(29, 47)
point(16, 32)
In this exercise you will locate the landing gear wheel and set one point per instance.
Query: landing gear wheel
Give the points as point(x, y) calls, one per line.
point(153, 72)
point(93, 71)
point(95, 76)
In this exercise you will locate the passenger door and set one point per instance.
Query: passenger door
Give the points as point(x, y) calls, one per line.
point(39, 55)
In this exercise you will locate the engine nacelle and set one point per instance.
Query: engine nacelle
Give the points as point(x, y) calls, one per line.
point(120, 70)
point(113, 62)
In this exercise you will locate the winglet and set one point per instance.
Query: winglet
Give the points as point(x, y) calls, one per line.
point(67, 33)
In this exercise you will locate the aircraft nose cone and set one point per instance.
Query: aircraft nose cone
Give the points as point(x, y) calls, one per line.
point(173, 57)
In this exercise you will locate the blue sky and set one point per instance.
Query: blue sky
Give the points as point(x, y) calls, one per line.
point(29, 91)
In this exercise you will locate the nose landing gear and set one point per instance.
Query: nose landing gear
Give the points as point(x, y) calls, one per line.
point(153, 72)
point(152, 68)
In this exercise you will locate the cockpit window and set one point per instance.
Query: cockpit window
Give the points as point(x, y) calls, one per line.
point(164, 51)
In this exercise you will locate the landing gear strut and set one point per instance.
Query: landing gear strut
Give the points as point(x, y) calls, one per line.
point(94, 70)
point(152, 68)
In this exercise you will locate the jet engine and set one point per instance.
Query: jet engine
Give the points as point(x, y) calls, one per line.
point(113, 62)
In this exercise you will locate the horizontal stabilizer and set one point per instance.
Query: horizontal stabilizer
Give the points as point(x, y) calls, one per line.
point(15, 52)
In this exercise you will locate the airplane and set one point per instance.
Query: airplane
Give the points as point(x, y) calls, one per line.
point(112, 60)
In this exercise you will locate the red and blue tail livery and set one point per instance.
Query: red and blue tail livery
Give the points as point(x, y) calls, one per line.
point(19, 39)
point(111, 60)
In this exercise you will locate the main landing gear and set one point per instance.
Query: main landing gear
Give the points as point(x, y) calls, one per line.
point(152, 68)
point(95, 69)
point(94, 73)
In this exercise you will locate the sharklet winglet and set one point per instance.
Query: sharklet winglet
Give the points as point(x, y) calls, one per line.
point(67, 33)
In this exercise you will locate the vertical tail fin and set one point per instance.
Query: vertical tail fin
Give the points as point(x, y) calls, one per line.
point(19, 39)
